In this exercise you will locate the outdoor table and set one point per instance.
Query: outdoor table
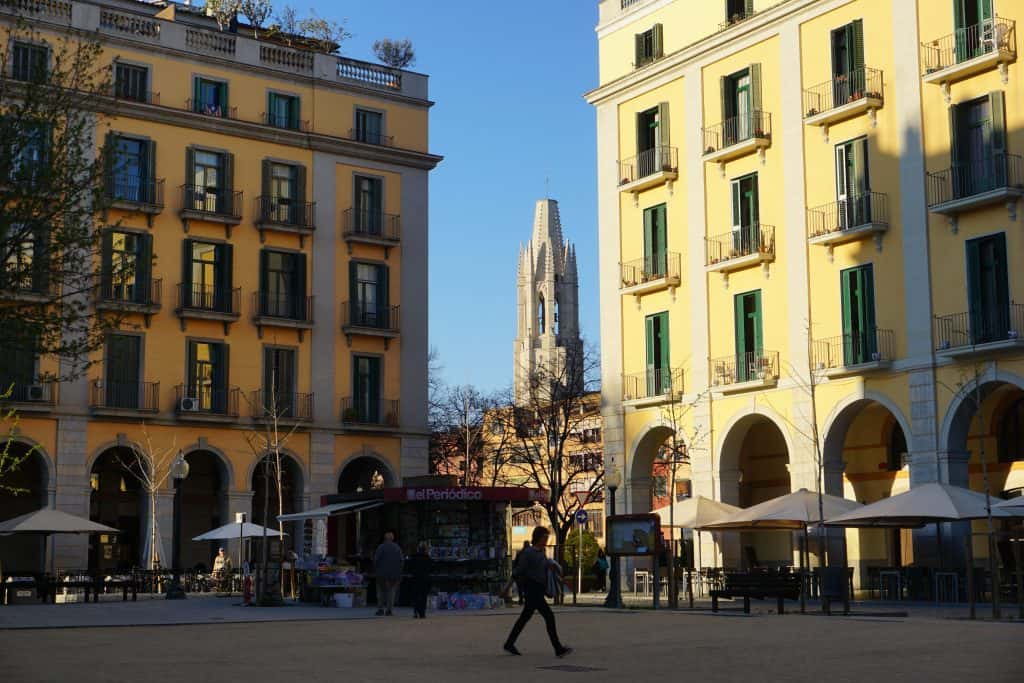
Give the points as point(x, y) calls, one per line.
point(944, 579)
point(882, 583)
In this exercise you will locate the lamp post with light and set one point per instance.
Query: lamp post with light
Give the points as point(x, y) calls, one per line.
point(613, 480)
point(179, 470)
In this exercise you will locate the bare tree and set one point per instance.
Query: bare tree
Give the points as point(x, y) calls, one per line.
point(398, 54)
point(473, 436)
point(256, 12)
point(327, 35)
point(286, 24)
point(224, 12)
point(151, 466)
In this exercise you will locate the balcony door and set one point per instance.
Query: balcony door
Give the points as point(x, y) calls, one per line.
point(749, 340)
point(658, 373)
point(207, 376)
point(282, 284)
point(848, 83)
point(860, 338)
point(973, 21)
point(366, 380)
point(369, 193)
point(122, 376)
point(208, 182)
point(655, 254)
point(852, 185)
point(745, 215)
point(279, 381)
point(988, 293)
point(207, 276)
point(369, 296)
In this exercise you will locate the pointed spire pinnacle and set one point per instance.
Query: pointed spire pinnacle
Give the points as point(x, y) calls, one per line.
point(547, 223)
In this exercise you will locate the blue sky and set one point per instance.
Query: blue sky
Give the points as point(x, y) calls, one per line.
point(508, 79)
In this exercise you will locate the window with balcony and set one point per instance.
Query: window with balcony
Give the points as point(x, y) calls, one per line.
point(366, 389)
point(979, 145)
point(749, 335)
point(745, 215)
point(207, 377)
point(968, 16)
point(210, 177)
point(131, 82)
point(737, 10)
point(369, 206)
point(741, 103)
point(282, 284)
point(18, 373)
point(853, 187)
point(25, 269)
point(860, 336)
point(369, 127)
point(283, 111)
point(122, 385)
point(279, 376)
point(207, 277)
point(26, 157)
point(133, 169)
point(988, 291)
point(658, 368)
point(848, 63)
point(29, 62)
point(125, 275)
point(655, 242)
point(649, 45)
point(210, 97)
point(368, 284)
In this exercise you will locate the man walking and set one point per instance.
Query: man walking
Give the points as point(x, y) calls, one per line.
point(387, 562)
point(520, 583)
point(532, 568)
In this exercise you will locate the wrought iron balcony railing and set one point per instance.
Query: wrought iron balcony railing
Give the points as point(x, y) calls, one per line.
point(207, 400)
point(211, 109)
point(848, 214)
point(371, 137)
point(285, 211)
point(265, 405)
point(845, 89)
point(660, 159)
point(209, 298)
point(370, 412)
point(137, 190)
point(999, 171)
point(143, 397)
point(653, 383)
point(983, 326)
point(854, 348)
point(989, 37)
point(374, 224)
point(286, 306)
point(747, 241)
point(116, 290)
point(745, 367)
point(212, 201)
point(30, 391)
point(127, 92)
point(663, 266)
point(752, 126)
point(358, 314)
point(286, 122)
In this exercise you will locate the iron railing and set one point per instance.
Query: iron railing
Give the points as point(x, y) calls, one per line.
point(660, 159)
point(367, 223)
point(976, 177)
point(980, 326)
point(297, 307)
point(736, 18)
point(29, 282)
point(286, 406)
point(732, 131)
point(209, 298)
point(285, 211)
point(124, 187)
point(370, 137)
point(843, 89)
point(652, 383)
point(747, 240)
point(358, 411)
point(359, 314)
point(214, 201)
point(206, 399)
point(113, 290)
point(209, 109)
point(126, 92)
point(285, 121)
point(854, 348)
point(848, 214)
point(139, 396)
point(23, 390)
point(966, 43)
point(666, 264)
point(745, 367)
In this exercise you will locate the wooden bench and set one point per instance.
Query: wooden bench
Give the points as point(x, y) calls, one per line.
point(759, 585)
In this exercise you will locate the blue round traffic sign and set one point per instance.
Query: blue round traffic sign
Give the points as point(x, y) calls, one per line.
point(581, 516)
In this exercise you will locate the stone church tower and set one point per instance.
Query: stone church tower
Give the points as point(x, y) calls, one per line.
point(548, 286)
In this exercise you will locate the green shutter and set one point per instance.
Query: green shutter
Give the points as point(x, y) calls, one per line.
point(748, 7)
point(755, 90)
point(263, 279)
point(229, 180)
point(186, 273)
point(222, 88)
point(868, 298)
point(300, 185)
point(271, 109)
point(197, 94)
point(856, 49)
point(728, 98)
point(659, 38)
point(638, 47)
point(758, 326)
point(664, 341)
point(293, 113)
point(740, 326)
point(755, 202)
point(975, 302)
point(149, 182)
point(954, 134)
point(999, 161)
point(663, 127)
point(737, 212)
point(143, 268)
point(985, 9)
point(190, 172)
point(383, 296)
point(110, 157)
point(224, 295)
point(847, 282)
point(1002, 282)
point(106, 261)
point(375, 388)
point(651, 361)
point(648, 239)
point(353, 304)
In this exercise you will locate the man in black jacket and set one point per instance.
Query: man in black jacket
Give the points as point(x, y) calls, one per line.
point(419, 566)
point(532, 569)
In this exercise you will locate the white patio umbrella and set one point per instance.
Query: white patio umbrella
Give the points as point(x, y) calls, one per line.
point(47, 521)
point(239, 530)
point(694, 513)
point(1015, 506)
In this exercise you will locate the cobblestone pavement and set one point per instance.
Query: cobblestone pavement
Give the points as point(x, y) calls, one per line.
point(450, 648)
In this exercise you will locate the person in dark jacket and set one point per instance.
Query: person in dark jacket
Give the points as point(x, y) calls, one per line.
point(601, 570)
point(532, 568)
point(387, 562)
point(520, 584)
point(419, 567)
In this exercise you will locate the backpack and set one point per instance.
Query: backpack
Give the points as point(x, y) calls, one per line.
point(555, 588)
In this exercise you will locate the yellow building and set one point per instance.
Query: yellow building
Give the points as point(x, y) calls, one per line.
point(808, 210)
point(274, 199)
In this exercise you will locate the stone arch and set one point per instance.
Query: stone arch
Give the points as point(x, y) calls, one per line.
point(736, 429)
point(370, 456)
point(102, 449)
point(642, 454)
point(25, 552)
point(837, 425)
point(116, 498)
point(956, 423)
point(292, 457)
point(45, 460)
point(227, 469)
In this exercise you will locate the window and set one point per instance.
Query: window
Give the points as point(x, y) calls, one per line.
point(1011, 433)
point(30, 62)
point(18, 367)
point(848, 63)
point(279, 381)
point(210, 97)
point(973, 21)
point(132, 171)
point(684, 489)
point(29, 155)
point(207, 276)
point(211, 174)
point(207, 375)
point(542, 315)
point(988, 293)
point(746, 231)
point(24, 268)
point(738, 10)
point(749, 340)
point(741, 105)
point(366, 380)
point(651, 138)
point(978, 149)
point(126, 260)
point(658, 374)
point(649, 45)
point(655, 254)
point(369, 204)
point(283, 284)
point(283, 111)
point(860, 337)
point(131, 82)
point(122, 371)
point(369, 294)
point(595, 522)
point(853, 187)
point(369, 127)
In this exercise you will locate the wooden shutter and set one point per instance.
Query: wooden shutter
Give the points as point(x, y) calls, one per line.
point(755, 202)
point(197, 94)
point(856, 49)
point(1002, 282)
point(268, 169)
point(663, 128)
point(974, 301)
point(867, 294)
point(859, 150)
point(985, 10)
point(224, 294)
point(110, 160)
point(649, 323)
point(954, 135)
point(847, 282)
point(755, 90)
point(143, 268)
point(663, 339)
point(190, 174)
point(300, 185)
point(748, 8)
point(638, 46)
point(229, 184)
point(186, 273)
point(293, 113)
point(264, 273)
point(106, 262)
point(648, 239)
point(149, 182)
point(739, 321)
point(190, 370)
point(383, 295)
point(222, 89)
point(997, 105)
point(271, 114)
point(658, 33)
point(737, 209)
point(758, 326)
point(728, 101)
point(353, 303)
point(300, 280)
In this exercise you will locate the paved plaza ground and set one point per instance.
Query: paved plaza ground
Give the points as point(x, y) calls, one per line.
point(311, 644)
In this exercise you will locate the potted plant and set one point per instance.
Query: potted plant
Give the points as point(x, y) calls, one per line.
point(350, 415)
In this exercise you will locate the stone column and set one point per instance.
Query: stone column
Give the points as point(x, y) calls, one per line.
point(730, 552)
point(71, 551)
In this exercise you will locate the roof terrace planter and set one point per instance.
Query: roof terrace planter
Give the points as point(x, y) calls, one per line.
point(129, 297)
point(212, 205)
point(738, 137)
point(977, 333)
point(135, 194)
point(371, 227)
point(206, 403)
point(652, 387)
point(863, 216)
point(992, 44)
point(650, 168)
point(751, 371)
point(746, 247)
point(358, 319)
point(649, 275)
point(844, 97)
point(200, 302)
point(286, 215)
point(123, 399)
point(270, 309)
point(372, 415)
point(964, 187)
point(854, 353)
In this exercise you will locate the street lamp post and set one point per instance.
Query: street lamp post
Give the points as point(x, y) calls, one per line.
point(179, 470)
point(613, 480)
point(674, 456)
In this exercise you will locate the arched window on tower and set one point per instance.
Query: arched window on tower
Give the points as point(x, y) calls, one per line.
point(558, 327)
point(541, 316)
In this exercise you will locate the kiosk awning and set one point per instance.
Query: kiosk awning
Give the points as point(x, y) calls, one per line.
point(331, 510)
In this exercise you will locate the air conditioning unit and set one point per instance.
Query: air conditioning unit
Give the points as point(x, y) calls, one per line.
point(188, 405)
point(36, 392)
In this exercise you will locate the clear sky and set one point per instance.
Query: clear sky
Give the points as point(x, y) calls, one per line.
point(508, 80)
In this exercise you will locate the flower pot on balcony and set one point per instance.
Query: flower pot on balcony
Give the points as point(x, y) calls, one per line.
point(350, 415)
point(391, 420)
